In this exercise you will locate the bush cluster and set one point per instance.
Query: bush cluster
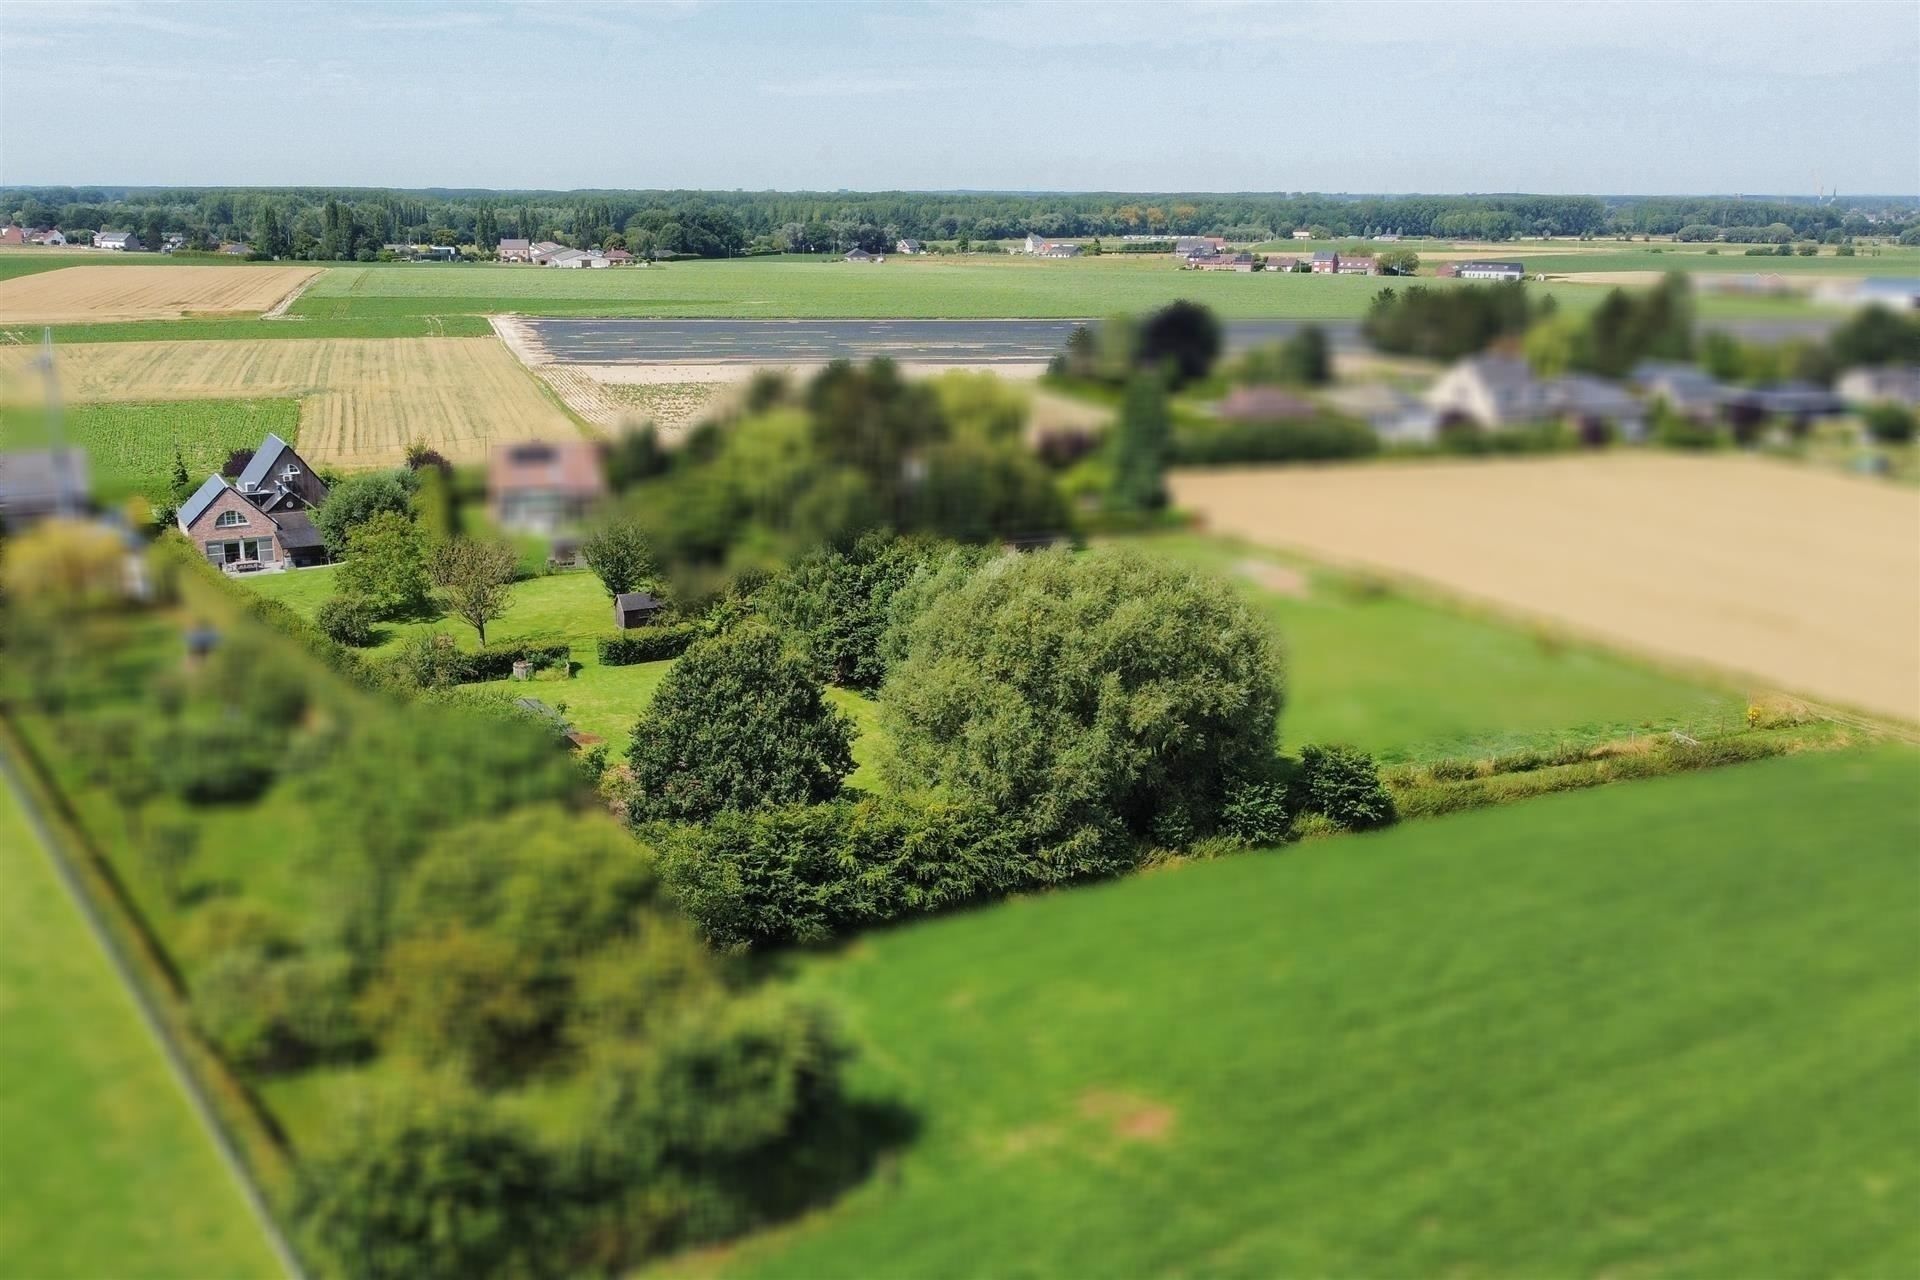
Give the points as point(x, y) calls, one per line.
point(647, 644)
point(345, 620)
point(432, 660)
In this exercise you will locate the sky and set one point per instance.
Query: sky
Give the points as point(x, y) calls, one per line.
point(1208, 95)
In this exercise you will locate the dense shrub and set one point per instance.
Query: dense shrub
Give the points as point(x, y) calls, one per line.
point(1342, 785)
point(837, 604)
point(737, 722)
point(270, 1008)
point(1889, 423)
point(1090, 700)
point(646, 644)
point(1258, 811)
point(1448, 323)
point(345, 620)
point(435, 1190)
point(805, 873)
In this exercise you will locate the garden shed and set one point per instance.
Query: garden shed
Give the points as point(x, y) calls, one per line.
point(635, 609)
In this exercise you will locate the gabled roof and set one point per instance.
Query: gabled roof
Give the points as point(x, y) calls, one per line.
point(261, 467)
point(297, 531)
point(510, 243)
point(196, 506)
point(636, 600)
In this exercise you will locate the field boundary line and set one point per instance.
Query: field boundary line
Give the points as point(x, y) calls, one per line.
point(279, 309)
point(52, 842)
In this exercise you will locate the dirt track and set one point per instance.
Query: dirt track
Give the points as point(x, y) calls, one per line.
point(1793, 578)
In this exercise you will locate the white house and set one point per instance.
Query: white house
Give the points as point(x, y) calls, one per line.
point(119, 241)
point(1889, 384)
point(1498, 392)
point(1302, 234)
point(568, 258)
point(909, 246)
point(1491, 271)
point(862, 256)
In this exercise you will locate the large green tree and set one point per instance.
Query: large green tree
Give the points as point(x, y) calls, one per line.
point(1087, 698)
point(355, 500)
point(385, 565)
point(738, 722)
point(473, 578)
point(619, 555)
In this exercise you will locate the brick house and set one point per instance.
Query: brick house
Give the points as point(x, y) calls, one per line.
point(1356, 266)
point(512, 250)
point(230, 531)
point(543, 485)
point(1326, 262)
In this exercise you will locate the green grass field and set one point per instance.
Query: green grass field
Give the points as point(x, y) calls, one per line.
point(979, 286)
point(108, 1173)
point(1405, 679)
point(130, 446)
point(1409, 680)
point(1660, 1030)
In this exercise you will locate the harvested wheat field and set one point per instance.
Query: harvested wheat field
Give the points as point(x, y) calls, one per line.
point(362, 401)
point(1789, 577)
point(84, 295)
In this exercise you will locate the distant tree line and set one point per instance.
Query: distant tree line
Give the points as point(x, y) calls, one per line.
point(349, 223)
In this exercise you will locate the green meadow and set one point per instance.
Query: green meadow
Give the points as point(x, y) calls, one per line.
point(931, 287)
point(107, 1171)
point(130, 446)
point(1646, 1031)
point(1403, 678)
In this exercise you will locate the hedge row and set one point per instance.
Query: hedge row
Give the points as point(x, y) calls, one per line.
point(174, 553)
point(649, 644)
point(805, 873)
point(1313, 440)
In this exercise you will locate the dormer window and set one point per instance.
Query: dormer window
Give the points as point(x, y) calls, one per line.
point(229, 519)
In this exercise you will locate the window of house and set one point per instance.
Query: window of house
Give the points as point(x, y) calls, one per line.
point(289, 471)
point(228, 519)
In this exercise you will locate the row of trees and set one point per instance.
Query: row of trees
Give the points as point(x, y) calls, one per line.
point(1050, 717)
point(297, 221)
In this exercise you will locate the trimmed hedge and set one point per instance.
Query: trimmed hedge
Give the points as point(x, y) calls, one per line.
point(649, 644)
point(1195, 443)
point(497, 663)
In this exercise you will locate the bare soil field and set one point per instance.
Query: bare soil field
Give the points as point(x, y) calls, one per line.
point(90, 294)
point(362, 401)
point(1789, 577)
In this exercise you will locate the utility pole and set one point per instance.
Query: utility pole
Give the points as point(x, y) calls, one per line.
point(62, 497)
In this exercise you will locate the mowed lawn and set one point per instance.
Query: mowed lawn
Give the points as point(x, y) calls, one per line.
point(107, 1172)
point(1664, 1029)
point(572, 607)
point(1409, 680)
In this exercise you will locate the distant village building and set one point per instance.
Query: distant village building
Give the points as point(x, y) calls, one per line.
point(542, 250)
point(1491, 271)
point(1392, 414)
point(1041, 247)
point(1326, 262)
point(618, 257)
point(1195, 247)
point(118, 241)
point(1301, 233)
point(49, 236)
point(12, 235)
point(236, 249)
point(1358, 265)
point(1223, 262)
point(862, 256)
point(909, 246)
point(513, 250)
point(1281, 262)
point(1264, 404)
